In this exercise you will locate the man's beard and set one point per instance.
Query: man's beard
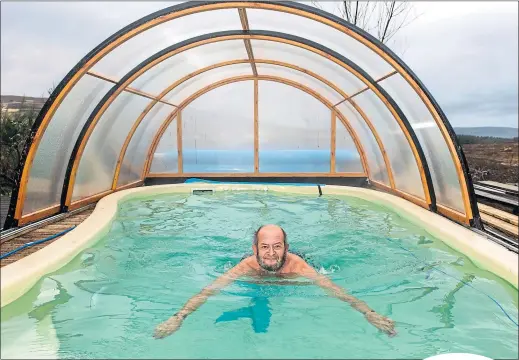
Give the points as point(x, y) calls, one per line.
point(272, 268)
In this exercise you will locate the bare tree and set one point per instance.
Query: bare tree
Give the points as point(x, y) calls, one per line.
point(393, 17)
point(383, 19)
point(359, 13)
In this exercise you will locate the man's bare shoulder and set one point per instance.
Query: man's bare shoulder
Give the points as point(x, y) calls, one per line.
point(296, 263)
point(249, 263)
point(296, 259)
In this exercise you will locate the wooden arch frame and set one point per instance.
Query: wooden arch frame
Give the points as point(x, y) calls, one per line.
point(318, 49)
point(167, 121)
point(184, 9)
point(199, 93)
point(190, 76)
point(215, 85)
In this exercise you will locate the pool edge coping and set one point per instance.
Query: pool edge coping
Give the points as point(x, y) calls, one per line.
point(19, 277)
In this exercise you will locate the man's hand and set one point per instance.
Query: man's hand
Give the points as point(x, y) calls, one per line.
point(171, 325)
point(168, 327)
point(381, 322)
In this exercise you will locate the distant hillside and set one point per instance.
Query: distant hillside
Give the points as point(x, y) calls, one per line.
point(18, 98)
point(14, 103)
point(501, 132)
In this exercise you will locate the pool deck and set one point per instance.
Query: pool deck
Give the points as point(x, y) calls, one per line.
point(38, 234)
point(19, 276)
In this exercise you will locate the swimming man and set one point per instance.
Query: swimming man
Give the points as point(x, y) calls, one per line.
point(272, 259)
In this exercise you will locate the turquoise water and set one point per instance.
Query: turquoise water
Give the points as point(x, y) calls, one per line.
point(161, 251)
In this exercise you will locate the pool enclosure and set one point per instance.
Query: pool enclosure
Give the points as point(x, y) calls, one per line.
point(255, 90)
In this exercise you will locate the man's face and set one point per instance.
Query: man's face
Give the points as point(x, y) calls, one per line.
point(271, 251)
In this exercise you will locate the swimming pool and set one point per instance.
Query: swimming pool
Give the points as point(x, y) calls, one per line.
point(161, 250)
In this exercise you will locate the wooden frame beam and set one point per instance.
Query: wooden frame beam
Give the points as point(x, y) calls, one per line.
point(415, 200)
point(443, 210)
point(366, 88)
point(256, 127)
point(180, 159)
point(333, 143)
point(248, 46)
point(453, 214)
point(208, 88)
point(40, 214)
point(91, 199)
point(129, 89)
point(313, 174)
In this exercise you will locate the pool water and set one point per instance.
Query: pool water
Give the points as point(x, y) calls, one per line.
point(161, 251)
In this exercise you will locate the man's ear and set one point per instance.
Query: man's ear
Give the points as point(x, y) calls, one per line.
point(255, 250)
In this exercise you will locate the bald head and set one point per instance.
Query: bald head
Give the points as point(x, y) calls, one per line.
point(270, 230)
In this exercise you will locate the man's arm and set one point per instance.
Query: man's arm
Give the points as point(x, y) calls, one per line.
point(383, 323)
point(174, 322)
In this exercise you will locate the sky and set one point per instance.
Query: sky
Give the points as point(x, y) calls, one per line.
point(466, 53)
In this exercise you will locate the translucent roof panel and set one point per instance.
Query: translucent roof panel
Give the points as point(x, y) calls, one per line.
point(374, 157)
point(191, 86)
point(97, 166)
point(135, 50)
point(218, 130)
point(439, 159)
point(306, 59)
point(51, 161)
point(294, 130)
point(174, 68)
point(403, 163)
point(209, 75)
point(347, 158)
point(300, 77)
point(322, 34)
point(135, 156)
point(165, 157)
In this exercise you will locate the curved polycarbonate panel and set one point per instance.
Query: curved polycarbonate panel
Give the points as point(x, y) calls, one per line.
point(301, 78)
point(96, 168)
point(374, 156)
point(192, 85)
point(218, 130)
point(294, 130)
point(137, 49)
point(135, 156)
point(347, 158)
point(404, 166)
point(306, 59)
point(162, 75)
point(443, 172)
point(165, 158)
point(51, 160)
point(322, 34)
